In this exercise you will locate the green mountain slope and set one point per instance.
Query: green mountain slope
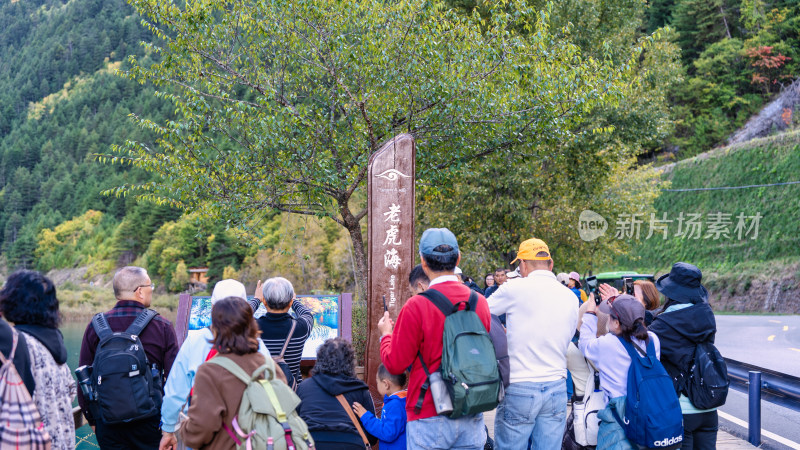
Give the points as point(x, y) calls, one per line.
point(62, 103)
point(752, 267)
point(720, 240)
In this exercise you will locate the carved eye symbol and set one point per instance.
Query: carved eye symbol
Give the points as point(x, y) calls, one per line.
point(392, 175)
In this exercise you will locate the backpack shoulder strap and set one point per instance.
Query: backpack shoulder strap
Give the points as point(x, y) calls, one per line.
point(237, 371)
point(353, 419)
point(426, 384)
point(615, 413)
point(141, 321)
point(101, 326)
point(439, 300)
point(472, 303)
point(646, 358)
point(15, 340)
point(629, 348)
point(288, 338)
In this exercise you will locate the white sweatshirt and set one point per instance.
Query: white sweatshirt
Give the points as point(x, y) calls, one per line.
point(609, 356)
point(541, 316)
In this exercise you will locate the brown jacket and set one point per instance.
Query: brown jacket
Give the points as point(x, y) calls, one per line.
point(216, 399)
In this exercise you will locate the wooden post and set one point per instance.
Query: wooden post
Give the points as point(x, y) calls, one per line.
point(391, 239)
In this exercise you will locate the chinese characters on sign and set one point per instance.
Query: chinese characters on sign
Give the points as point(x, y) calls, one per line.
point(392, 258)
point(716, 226)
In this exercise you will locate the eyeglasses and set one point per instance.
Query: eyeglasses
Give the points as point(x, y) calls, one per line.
point(151, 286)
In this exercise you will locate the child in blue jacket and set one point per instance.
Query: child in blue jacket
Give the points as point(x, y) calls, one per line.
point(390, 429)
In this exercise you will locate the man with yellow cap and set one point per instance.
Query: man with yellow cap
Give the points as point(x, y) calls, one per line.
point(541, 317)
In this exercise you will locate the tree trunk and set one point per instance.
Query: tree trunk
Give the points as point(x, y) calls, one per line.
point(360, 313)
point(725, 22)
point(353, 226)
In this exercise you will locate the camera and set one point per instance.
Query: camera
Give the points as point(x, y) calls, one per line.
point(592, 286)
point(628, 284)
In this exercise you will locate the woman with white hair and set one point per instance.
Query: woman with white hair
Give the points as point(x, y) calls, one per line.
point(194, 351)
point(283, 334)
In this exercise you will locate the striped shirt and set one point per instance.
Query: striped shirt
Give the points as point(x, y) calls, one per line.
point(275, 328)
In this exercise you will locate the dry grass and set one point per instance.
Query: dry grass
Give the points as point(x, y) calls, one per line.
point(81, 302)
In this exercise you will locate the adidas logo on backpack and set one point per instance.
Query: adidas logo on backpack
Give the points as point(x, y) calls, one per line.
point(667, 442)
point(653, 415)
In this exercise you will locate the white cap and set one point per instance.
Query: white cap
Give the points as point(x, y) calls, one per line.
point(457, 271)
point(228, 288)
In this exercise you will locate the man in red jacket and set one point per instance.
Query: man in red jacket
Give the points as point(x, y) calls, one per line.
point(419, 330)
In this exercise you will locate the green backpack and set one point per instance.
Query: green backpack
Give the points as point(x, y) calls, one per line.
point(469, 365)
point(268, 410)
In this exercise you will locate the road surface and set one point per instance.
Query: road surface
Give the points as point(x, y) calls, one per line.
point(772, 342)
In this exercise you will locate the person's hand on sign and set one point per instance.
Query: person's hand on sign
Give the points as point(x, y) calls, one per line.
point(385, 325)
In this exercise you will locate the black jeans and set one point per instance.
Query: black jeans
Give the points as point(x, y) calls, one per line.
point(142, 434)
point(700, 431)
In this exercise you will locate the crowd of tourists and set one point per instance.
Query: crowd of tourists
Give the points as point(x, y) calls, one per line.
point(559, 373)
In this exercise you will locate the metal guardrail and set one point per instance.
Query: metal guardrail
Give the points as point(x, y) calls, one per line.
point(776, 387)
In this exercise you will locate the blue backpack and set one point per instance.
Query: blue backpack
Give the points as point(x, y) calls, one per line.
point(653, 415)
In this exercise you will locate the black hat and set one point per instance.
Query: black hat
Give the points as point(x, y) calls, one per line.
point(682, 284)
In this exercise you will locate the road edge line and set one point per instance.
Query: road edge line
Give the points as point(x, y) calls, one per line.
point(769, 434)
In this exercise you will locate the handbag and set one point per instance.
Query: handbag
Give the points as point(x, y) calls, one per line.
point(584, 413)
point(182, 417)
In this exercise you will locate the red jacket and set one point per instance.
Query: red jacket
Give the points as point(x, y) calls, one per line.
point(419, 328)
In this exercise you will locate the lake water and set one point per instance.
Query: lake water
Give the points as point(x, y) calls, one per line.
point(73, 335)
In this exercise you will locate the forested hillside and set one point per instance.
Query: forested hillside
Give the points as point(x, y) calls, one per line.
point(736, 54)
point(745, 240)
point(62, 102)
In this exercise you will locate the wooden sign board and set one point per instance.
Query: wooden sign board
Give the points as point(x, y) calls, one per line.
point(391, 239)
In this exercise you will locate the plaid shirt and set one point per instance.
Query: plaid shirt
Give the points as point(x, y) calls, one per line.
point(158, 338)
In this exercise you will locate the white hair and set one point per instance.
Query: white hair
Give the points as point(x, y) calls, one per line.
point(278, 292)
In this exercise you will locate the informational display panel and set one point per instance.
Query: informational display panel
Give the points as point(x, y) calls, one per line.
point(332, 317)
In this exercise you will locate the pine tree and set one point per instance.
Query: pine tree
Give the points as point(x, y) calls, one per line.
point(700, 23)
point(659, 14)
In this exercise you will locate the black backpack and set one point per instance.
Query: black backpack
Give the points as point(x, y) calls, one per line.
point(707, 386)
point(124, 386)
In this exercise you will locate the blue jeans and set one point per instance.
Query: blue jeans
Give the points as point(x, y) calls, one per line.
point(536, 411)
point(440, 433)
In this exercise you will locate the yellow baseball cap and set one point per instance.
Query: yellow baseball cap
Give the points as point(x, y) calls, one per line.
point(529, 249)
